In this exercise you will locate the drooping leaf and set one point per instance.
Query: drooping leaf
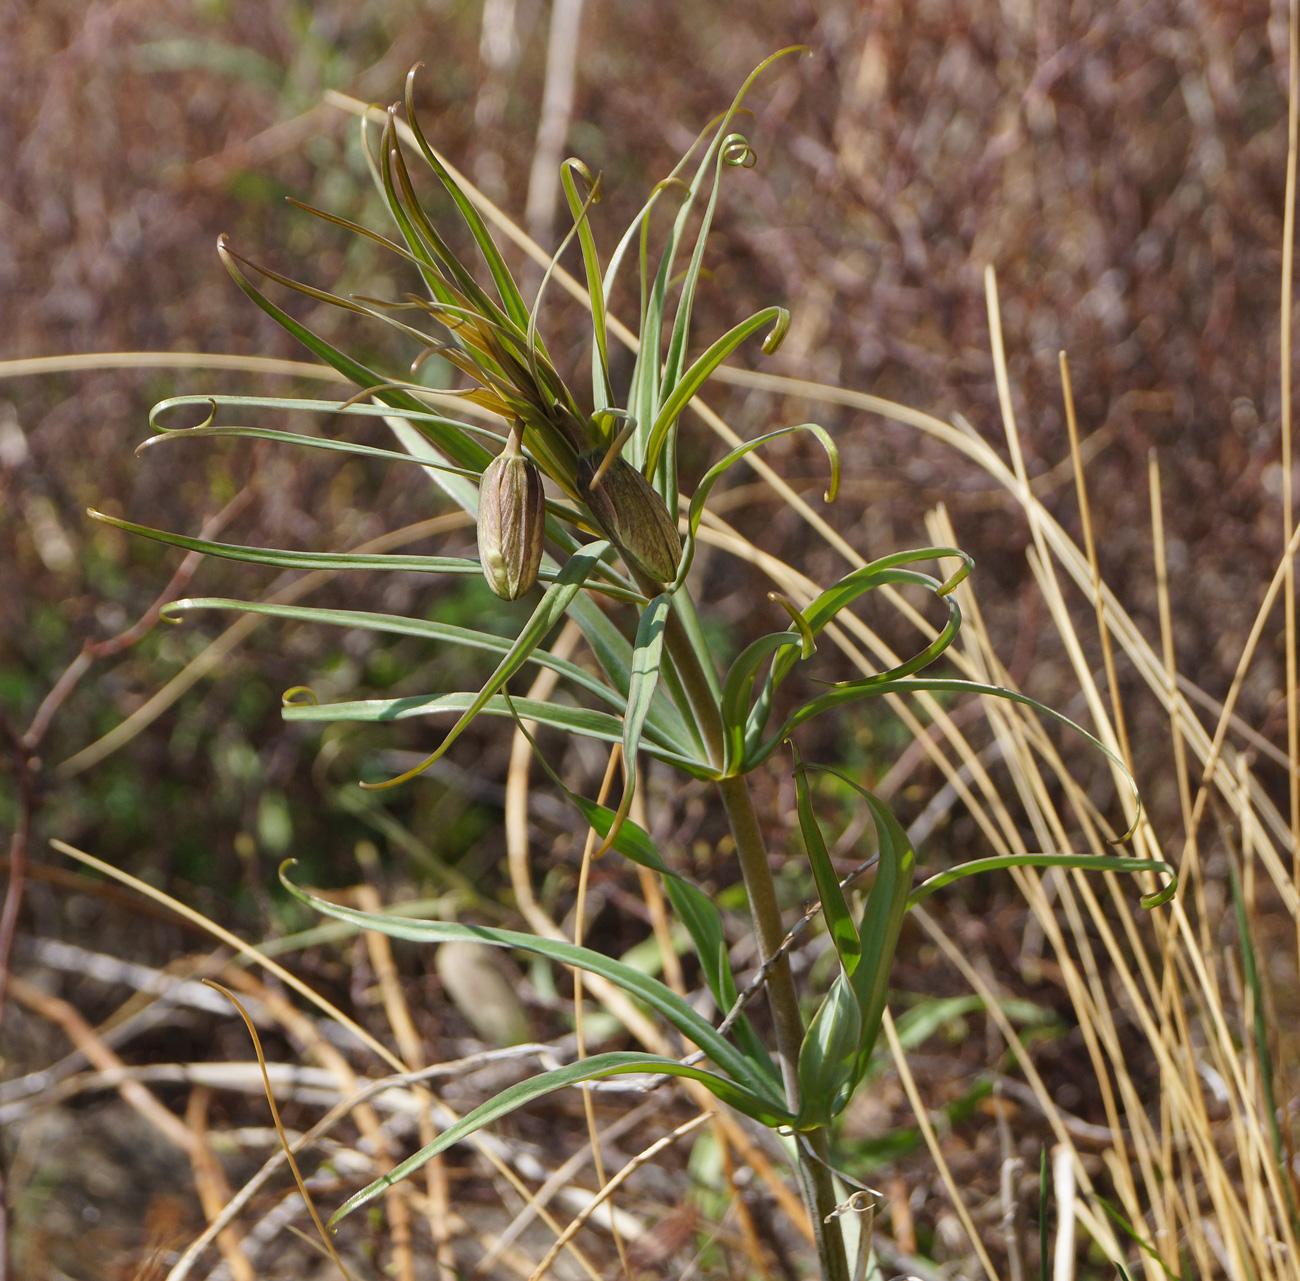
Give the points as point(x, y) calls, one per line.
point(549, 611)
point(851, 691)
point(1084, 862)
point(703, 369)
point(715, 473)
point(652, 992)
point(696, 910)
point(594, 1068)
point(280, 559)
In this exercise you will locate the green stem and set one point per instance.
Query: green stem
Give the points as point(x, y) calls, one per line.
point(815, 1179)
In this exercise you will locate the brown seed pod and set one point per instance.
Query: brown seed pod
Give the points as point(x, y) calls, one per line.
point(511, 521)
point(628, 509)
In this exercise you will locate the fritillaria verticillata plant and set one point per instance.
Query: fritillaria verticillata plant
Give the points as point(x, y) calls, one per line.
point(606, 525)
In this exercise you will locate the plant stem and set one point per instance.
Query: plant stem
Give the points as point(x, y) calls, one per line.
point(815, 1180)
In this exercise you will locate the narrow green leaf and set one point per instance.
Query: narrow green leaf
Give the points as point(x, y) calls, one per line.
point(296, 560)
point(343, 408)
point(702, 370)
point(594, 1068)
point(696, 910)
point(550, 609)
point(738, 688)
point(398, 625)
point(647, 654)
point(1085, 862)
point(835, 909)
point(658, 996)
point(301, 440)
point(602, 392)
point(463, 450)
point(729, 460)
point(511, 298)
point(851, 691)
point(883, 918)
point(576, 720)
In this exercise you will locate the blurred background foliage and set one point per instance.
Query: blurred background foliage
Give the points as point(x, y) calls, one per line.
point(1121, 164)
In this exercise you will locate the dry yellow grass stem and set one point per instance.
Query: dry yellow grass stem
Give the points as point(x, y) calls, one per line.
point(211, 1185)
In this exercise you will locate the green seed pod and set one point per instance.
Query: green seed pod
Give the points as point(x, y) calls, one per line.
point(511, 521)
point(627, 508)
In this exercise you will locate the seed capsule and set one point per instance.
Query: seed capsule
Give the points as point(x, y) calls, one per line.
point(511, 521)
point(628, 509)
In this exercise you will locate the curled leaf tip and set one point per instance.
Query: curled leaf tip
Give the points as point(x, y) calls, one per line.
point(299, 696)
point(1161, 896)
point(776, 336)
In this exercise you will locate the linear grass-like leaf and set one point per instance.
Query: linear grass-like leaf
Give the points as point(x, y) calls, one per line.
point(299, 439)
point(349, 408)
point(595, 1068)
point(601, 390)
point(1085, 862)
point(511, 299)
point(550, 609)
point(400, 625)
point(463, 451)
point(853, 690)
point(280, 559)
point(835, 908)
point(647, 655)
point(696, 910)
point(703, 368)
point(600, 726)
point(715, 473)
point(658, 996)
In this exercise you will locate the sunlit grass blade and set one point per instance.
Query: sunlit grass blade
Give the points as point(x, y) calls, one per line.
point(1259, 1032)
point(595, 1068)
point(658, 996)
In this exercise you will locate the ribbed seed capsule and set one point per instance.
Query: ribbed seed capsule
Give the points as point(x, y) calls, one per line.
point(633, 515)
point(511, 521)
